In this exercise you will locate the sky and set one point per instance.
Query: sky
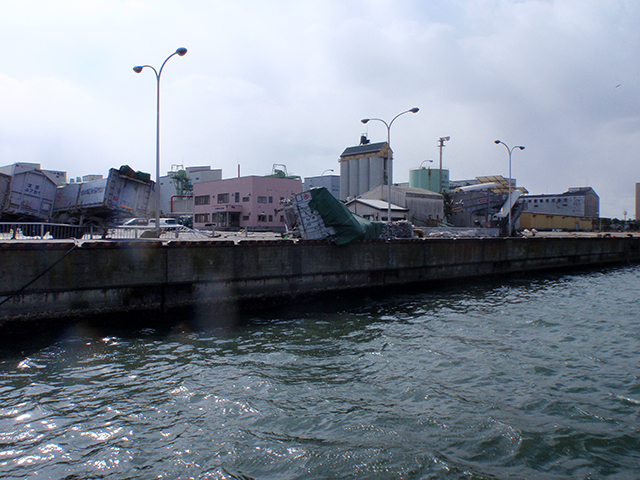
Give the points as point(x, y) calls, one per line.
point(287, 82)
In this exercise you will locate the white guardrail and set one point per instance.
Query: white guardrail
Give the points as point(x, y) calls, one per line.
point(50, 231)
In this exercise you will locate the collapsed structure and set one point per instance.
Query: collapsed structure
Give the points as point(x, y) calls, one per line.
point(316, 214)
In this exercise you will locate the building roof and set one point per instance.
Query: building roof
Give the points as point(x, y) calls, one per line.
point(572, 192)
point(422, 192)
point(377, 204)
point(364, 149)
point(503, 186)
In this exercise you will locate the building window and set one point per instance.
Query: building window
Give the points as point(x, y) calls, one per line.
point(245, 199)
point(202, 200)
point(262, 218)
point(262, 199)
point(223, 198)
point(271, 218)
point(245, 218)
point(237, 197)
point(281, 219)
point(270, 199)
point(202, 217)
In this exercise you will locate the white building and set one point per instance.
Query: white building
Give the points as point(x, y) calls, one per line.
point(330, 182)
point(176, 188)
point(575, 202)
point(56, 176)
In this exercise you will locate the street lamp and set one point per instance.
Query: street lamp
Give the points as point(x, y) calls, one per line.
point(387, 169)
point(430, 161)
point(497, 142)
point(181, 52)
point(441, 141)
point(327, 170)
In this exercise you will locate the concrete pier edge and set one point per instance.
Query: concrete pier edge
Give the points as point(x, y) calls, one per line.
point(47, 280)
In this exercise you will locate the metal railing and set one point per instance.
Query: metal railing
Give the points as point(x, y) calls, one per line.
point(51, 231)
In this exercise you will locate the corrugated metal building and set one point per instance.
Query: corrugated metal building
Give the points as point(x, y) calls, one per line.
point(416, 205)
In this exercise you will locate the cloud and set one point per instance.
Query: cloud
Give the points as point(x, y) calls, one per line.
point(288, 82)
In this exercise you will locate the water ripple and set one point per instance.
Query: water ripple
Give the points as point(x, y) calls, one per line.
point(530, 378)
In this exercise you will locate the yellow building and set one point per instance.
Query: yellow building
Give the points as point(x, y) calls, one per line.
point(555, 222)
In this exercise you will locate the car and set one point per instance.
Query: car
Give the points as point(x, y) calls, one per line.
point(165, 223)
point(136, 222)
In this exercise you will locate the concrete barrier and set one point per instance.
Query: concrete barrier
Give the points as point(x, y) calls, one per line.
point(67, 279)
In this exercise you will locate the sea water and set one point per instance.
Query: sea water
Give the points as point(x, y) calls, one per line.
point(529, 377)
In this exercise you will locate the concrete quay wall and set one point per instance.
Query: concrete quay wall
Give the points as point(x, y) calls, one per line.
point(45, 280)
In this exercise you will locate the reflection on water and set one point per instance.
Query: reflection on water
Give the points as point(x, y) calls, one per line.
point(531, 378)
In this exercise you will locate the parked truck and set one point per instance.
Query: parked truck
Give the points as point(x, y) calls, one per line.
point(26, 196)
point(5, 182)
point(105, 202)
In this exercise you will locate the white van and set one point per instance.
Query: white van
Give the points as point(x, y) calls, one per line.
point(165, 223)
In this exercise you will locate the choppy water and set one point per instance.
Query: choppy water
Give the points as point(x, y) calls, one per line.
point(529, 378)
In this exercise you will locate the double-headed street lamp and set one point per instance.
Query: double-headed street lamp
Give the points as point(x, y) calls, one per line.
point(497, 142)
point(387, 169)
point(181, 52)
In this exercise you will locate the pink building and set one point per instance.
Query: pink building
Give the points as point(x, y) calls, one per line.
point(246, 202)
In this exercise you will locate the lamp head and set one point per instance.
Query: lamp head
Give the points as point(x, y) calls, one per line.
point(137, 69)
point(414, 110)
point(520, 147)
point(181, 51)
point(447, 139)
point(497, 142)
point(365, 120)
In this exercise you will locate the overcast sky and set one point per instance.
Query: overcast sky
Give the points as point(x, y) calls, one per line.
point(287, 82)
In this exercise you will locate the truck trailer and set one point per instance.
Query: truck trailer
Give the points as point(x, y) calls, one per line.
point(105, 202)
point(26, 196)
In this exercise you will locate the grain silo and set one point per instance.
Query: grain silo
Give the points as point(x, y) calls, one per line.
point(362, 168)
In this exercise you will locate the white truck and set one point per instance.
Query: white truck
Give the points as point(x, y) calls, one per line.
point(105, 202)
point(26, 196)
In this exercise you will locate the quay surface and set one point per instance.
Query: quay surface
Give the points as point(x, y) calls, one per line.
point(47, 280)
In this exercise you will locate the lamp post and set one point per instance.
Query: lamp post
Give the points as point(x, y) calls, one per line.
point(497, 142)
point(387, 170)
point(430, 161)
point(181, 52)
point(441, 141)
point(327, 170)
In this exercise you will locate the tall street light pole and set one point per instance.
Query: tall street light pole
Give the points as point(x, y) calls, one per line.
point(181, 52)
point(441, 141)
point(497, 142)
point(387, 169)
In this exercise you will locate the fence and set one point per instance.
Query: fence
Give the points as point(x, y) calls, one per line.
point(49, 231)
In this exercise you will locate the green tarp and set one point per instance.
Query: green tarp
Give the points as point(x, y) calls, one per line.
point(347, 225)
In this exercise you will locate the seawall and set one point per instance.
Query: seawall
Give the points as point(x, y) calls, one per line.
point(48, 280)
